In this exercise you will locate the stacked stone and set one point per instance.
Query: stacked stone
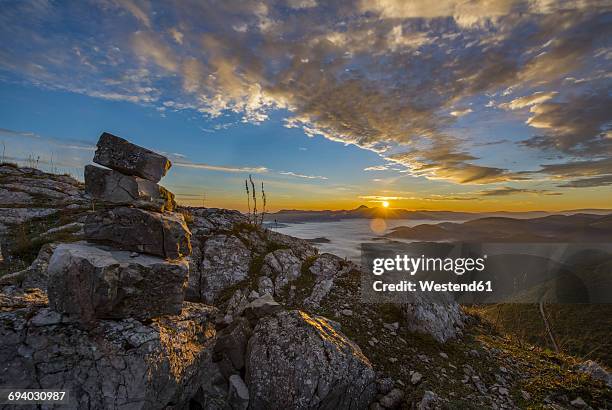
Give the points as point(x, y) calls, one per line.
point(134, 261)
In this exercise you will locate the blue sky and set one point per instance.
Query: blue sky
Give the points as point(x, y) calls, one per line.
point(485, 105)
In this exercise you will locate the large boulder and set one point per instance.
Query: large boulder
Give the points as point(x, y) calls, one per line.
point(135, 229)
point(439, 316)
point(114, 187)
point(130, 159)
point(123, 364)
point(92, 282)
point(225, 262)
point(295, 360)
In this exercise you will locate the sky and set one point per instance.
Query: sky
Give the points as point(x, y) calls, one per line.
point(455, 105)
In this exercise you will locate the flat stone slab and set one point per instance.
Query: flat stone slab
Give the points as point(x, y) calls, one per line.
point(117, 188)
point(130, 159)
point(92, 282)
point(138, 230)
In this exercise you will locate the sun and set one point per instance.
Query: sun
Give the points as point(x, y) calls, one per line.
point(385, 204)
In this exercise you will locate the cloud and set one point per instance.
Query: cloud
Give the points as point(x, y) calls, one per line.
point(580, 125)
point(149, 46)
point(505, 191)
point(302, 4)
point(139, 9)
point(529, 100)
point(380, 198)
point(377, 168)
point(600, 181)
point(221, 168)
point(443, 161)
point(293, 174)
point(65, 143)
point(461, 113)
point(386, 76)
point(580, 174)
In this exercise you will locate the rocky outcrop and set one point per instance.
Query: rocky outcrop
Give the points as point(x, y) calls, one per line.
point(295, 360)
point(129, 159)
point(139, 230)
point(123, 364)
point(97, 283)
point(117, 188)
point(92, 282)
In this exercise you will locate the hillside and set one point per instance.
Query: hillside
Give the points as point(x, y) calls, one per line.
point(363, 211)
point(258, 304)
point(552, 228)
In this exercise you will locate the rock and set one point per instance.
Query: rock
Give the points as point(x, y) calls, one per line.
point(35, 276)
point(225, 262)
point(130, 159)
point(385, 385)
point(525, 395)
point(393, 399)
point(237, 303)
point(231, 346)
point(295, 360)
point(441, 318)
point(416, 378)
point(596, 372)
point(138, 230)
point(300, 248)
point(264, 306)
point(327, 266)
point(12, 198)
point(392, 327)
point(480, 386)
point(114, 187)
point(92, 282)
point(430, 401)
point(578, 403)
point(46, 317)
point(319, 291)
point(253, 295)
point(18, 216)
point(443, 355)
point(118, 364)
point(265, 285)
point(346, 312)
point(283, 266)
point(238, 394)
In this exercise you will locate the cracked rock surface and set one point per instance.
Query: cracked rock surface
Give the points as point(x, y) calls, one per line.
point(138, 230)
point(295, 360)
point(124, 364)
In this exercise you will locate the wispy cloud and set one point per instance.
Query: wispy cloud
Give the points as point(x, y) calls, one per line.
point(377, 168)
point(221, 168)
point(293, 174)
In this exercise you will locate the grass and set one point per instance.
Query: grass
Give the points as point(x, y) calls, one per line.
point(581, 330)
